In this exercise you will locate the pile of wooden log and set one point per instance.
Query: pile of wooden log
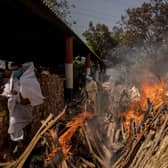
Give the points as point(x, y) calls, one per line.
point(145, 148)
point(102, 141)
point(53, 90)
point(107, 143)
point(3, 121)
point(144, 144)
point(91, 146)
point(47, 124)
point(52, 87)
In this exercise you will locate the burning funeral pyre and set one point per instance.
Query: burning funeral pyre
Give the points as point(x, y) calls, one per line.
point(140, 126)
point(133, 133)
point(128, 130)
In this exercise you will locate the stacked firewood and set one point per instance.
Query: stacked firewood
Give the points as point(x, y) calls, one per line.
point(102, 140)
point(46, 125)
point(107, 143)
point(149, 146)
point(53, 91)
point(3, 121)
point(90, 145)
point(143, 144)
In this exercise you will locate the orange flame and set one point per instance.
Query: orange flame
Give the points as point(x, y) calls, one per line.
point(65, 138)
point(150, 89)
point(72, 126)
point(153, 91)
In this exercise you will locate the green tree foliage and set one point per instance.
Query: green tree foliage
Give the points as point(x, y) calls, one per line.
point(123, 37)
point(146, 23)
point(60, 7)
point(99, 38)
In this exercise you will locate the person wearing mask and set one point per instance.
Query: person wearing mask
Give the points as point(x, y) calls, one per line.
point(23, 92)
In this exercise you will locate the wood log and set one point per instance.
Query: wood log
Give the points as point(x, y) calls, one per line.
point(111, 131)
point(155, 143)
point(134, 155)
point(159, 160)
point(53, 89)
point(132, 127)
point(42, 130)
point(87, 140)
point(101, 161)
point(88, 163)
point(142, 151)
point(29, 148)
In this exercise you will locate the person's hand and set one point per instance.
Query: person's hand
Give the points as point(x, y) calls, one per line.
point(24, 101)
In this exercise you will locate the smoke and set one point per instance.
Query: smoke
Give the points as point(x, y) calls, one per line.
point(131, 65)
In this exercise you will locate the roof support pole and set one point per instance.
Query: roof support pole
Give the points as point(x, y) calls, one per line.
point(69, 69)
point(88, 65)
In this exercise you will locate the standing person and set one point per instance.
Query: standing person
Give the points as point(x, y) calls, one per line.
point(82, 84)
point(91, 89)
point(23, 92)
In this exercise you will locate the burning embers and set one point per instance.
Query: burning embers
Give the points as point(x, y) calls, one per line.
point(59, 147)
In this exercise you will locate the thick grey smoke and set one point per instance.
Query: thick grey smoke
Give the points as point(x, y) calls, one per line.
point(130, 65)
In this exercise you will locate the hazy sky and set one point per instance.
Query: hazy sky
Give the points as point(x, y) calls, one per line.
point(99, 11)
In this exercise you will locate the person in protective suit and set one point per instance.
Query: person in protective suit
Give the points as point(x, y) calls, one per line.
point(23, 92)
point(91, 89)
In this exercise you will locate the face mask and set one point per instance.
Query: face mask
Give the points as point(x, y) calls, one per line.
point(17, 73)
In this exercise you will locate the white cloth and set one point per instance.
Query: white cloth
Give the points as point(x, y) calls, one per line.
point(21, 115)
point(134, 94)
point(19, 118)
point(29, 86)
